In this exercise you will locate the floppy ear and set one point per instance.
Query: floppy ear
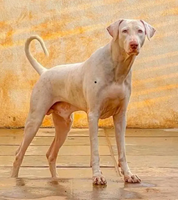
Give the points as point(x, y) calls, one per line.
point(113, 29)
point(149, 30)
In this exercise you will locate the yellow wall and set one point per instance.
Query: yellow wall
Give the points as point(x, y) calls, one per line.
point(72, 30)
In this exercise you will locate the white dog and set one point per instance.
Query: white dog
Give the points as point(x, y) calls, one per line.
point(100, 86)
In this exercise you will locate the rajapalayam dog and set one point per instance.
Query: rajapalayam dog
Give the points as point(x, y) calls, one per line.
point(100, 86)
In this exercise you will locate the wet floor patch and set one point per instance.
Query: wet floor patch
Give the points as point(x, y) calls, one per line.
point(138, 185)
point(68, 188)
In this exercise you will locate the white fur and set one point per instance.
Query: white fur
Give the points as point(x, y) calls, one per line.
point(100, 86)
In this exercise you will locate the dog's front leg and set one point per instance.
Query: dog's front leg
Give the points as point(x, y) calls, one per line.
point(98, 178)
point(120, 127)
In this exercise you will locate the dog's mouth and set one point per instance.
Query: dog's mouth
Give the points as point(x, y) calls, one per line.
point(134, 52)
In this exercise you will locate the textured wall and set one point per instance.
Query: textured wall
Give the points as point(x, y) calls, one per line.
point(72, 30)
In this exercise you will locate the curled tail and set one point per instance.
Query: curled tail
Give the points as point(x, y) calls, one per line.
point(37, 66)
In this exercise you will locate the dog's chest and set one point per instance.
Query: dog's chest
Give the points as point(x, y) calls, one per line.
point(113, 98)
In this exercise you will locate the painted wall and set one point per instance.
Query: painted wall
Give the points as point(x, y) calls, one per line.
point(72, 30)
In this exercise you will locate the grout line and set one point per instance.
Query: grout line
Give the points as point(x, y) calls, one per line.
point(84, 136)
point(112, 155)
point(47, 145)
point(59, 155)
point(49, 136)
point(57, 167)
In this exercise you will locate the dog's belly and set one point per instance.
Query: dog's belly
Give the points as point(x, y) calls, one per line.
point(62, 109)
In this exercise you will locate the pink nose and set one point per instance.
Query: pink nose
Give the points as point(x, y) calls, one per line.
point(133, 45)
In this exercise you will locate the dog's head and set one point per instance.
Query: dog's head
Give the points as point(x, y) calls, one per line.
point(130, 34)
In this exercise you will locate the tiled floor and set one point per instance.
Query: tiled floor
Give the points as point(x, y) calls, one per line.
point(152, 154)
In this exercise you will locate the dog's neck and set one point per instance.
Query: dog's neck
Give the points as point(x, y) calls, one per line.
point(122, 62)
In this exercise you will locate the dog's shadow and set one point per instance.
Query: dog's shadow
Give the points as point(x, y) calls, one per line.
point(68, 189)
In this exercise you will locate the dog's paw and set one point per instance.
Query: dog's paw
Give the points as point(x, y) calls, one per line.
point(99, 180)
point(131, 178)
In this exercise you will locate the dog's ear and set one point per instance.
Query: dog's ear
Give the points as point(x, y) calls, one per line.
point(149, 30)
point(113, 29)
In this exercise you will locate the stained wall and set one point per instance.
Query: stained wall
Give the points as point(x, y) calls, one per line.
point(72, 30)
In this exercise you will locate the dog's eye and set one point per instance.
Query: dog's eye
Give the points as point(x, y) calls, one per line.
point(125, 31)
point(140, 31)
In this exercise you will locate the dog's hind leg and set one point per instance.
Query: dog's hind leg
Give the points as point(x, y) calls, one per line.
point(38, 109)
point(30, 130)
point(62, 127)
